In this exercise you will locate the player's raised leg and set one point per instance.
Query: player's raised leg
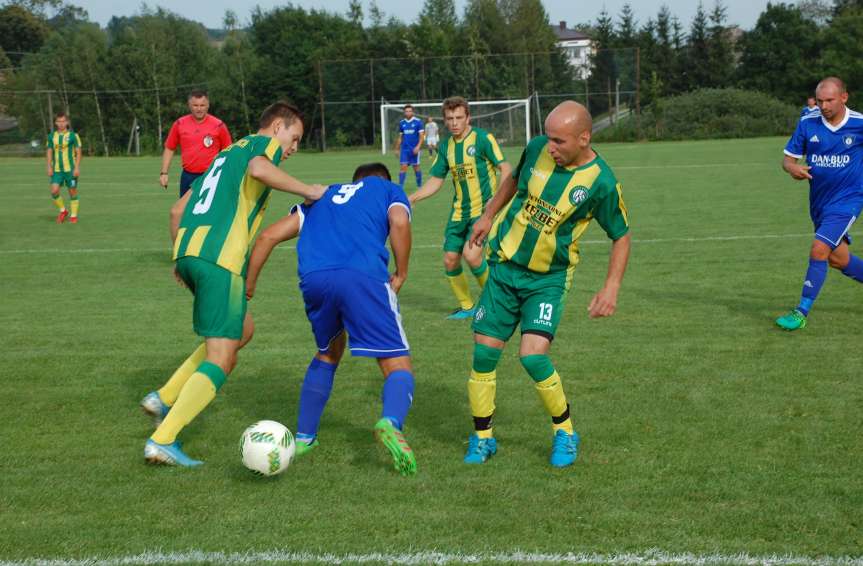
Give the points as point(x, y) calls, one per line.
point(849, 264)
point(475, 258)
point(396, 397)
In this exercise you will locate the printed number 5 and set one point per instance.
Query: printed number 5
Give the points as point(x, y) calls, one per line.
point(545, 311)
point(208, 187)
point(346, 192)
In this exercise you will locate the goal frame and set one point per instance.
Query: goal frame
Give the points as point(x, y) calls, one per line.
point(508, 102)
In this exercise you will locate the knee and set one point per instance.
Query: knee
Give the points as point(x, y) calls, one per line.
point(485, 358)
point(837, 262)
point(538, 366)
point(820, 251)
point(451, 261)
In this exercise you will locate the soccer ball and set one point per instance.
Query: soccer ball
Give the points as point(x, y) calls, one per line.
point(267, 448)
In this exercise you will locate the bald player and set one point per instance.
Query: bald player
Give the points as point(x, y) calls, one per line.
point(832, 141)
point(559, 185)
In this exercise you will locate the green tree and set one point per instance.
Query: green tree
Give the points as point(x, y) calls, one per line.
point(777, 55)
point(21, 31)
point(843, 47)
point(720, 50)
point(697, 60)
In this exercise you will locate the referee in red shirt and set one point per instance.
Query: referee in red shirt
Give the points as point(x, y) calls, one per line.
point(200, 137)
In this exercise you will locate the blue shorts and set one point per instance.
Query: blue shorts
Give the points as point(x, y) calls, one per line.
point(407, 156)
point(833, 223)
point(186, 180)
point(343, 299)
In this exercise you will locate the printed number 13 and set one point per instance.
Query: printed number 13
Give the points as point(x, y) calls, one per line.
point(208, 187)
point(545, 310)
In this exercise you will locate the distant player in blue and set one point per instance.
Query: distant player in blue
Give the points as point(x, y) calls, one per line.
point(410, 141)
point(832, 141)
point(347, 288)
point(811, 106)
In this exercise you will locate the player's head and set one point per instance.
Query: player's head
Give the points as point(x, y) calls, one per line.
point(456, 114)
point(832, 96)
point(409, 111)
point(372, 170)
point(284, 122)
point(568, 128)
point(199, 104)
point(61, 121)
point(810, 102)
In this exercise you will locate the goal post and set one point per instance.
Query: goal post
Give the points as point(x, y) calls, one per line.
point(508, 120)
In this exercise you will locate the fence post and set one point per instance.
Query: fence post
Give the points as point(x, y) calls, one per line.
point(321, 98)
point(372, 98)
point(638, 91)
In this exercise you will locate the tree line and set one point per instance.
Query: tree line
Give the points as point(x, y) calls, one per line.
point(138, 69)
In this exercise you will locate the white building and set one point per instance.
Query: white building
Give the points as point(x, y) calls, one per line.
point(577, 46)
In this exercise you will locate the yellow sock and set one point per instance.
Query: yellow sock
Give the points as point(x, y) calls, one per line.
point(171, 390)
point(481, 273)
point(74, 206)
point(58, 202)
point(199, 390)
point(458, 282)
point(551, 392)
point(481, 389)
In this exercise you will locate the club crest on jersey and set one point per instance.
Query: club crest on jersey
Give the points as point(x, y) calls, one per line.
point(471, 150)
point(848, 140)
point(208, 140)
point(577, 196)
point(480, 313)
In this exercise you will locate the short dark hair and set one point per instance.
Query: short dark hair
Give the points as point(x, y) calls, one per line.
point(198, 93)
point(376, 169)
point(454, 102)
point(406, 106)
point(61, 115)
point(281, 109)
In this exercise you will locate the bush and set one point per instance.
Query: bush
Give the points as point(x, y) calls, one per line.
point(708, 114)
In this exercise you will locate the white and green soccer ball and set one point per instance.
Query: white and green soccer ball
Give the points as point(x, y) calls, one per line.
point(267, 448)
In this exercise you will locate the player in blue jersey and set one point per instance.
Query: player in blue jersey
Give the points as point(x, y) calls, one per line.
point(342, 264)
point(810, 108)
point(832, 141)
point(410, 141)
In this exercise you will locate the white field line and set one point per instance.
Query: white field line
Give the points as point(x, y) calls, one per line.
point(648, 558)
point(418, 246)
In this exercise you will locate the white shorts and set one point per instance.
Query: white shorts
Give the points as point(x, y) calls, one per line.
point(432, 140)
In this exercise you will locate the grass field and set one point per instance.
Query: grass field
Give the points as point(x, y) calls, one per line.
point(706, 432)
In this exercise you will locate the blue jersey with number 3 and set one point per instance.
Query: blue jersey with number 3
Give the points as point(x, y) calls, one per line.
point(348, 228)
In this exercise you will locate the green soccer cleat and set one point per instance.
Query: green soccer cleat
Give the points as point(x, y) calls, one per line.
point(394, 441)
point(794, 320)
point(303, 448)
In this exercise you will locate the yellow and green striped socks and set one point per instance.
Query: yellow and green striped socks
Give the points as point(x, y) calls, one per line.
point(481, 273)
point(460, 289)
point(550, 389)
point(171, 390)
point(73, 204)
point(196, 394)
point(58, 202)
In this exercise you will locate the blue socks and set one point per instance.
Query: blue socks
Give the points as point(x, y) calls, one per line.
point(419, 175)
point(314, 395)
point(854, 269)
point(402, 179)
point(397, 396)
point(815, 276)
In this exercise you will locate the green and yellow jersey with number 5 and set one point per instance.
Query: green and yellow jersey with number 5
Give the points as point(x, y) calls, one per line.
point(227, 206)
point(552, 208)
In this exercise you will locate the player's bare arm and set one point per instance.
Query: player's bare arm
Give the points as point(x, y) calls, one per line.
point(796, 170)
point(400, 242)
point(604, 303)
point(264, 171)
point(429, 188)
point(419, 145)
point(177, 214)
point(167, 156)
point(505, 191)
point(280, 231)
point(50, 158)
point(398, 144)
point(77, 171)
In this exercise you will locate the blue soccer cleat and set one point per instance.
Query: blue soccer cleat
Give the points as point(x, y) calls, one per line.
point(564, 448)
point(169, 454)
point(794, 320)
point(461, 314)
point(153, 405)
point(480, 449)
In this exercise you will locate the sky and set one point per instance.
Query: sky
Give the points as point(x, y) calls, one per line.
point(209, 12)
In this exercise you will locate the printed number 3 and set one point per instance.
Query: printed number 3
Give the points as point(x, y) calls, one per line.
point(545, 311)
point(346, 192)
point(208, 187)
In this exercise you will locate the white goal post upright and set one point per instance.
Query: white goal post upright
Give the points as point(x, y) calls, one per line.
point(481, 112)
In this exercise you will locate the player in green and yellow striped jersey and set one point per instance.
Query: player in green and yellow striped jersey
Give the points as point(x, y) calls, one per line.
point(213, 226)
point(64, 161)
point(472, 156)
point(558, 187)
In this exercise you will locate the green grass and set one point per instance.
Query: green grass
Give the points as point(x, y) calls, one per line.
point(705, 429)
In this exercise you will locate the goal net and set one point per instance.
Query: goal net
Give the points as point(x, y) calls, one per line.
point(507, 120)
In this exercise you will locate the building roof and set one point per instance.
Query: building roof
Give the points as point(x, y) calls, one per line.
point(563, 33)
